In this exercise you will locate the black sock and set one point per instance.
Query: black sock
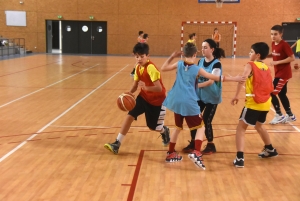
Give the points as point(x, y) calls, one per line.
point(240, 154)
point(270, 147)
point(193, 134)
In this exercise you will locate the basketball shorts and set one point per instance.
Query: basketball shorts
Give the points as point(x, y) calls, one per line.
point(155, 115)
point(193, 122)
point(250, 116)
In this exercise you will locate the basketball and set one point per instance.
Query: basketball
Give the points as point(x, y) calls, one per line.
point(126, 102)
point(296, 66)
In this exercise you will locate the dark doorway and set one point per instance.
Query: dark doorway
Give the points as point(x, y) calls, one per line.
point(55, 35)
point(84, 37)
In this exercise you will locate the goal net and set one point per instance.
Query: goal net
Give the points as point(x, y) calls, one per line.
point(204, 30)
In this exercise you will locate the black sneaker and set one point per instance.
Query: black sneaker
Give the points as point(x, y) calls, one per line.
point(209, 148)
point(113, 147)
point(267, 153)
point(238, 162)
point(190, 148)
point(166, 136)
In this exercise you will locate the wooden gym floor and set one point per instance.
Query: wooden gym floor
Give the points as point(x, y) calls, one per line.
point(58, 111)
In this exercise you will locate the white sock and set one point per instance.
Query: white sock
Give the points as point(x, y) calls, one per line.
point(120, 137)
point(163, 130)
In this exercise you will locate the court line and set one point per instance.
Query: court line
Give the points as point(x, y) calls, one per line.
point(58, 117)
point(46, 87)
point(29, 69)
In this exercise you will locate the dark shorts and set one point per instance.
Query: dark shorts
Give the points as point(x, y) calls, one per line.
point(155, 115)
point(250, 116)
point(193, 122)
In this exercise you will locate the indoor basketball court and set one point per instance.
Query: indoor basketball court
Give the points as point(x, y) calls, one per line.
point(58, 111)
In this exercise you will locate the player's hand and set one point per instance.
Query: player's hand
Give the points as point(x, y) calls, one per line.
point(273, 63)
point(130, 94)
point(176, 54)
point(142, 84)
point(234, 101)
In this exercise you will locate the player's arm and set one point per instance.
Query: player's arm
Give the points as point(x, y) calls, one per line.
point(288, 50)
point(156, 88)
point(294, 45)
point(246, 73)
point(220, 78)
point(155, 78)
point(216, 71)
point(286, 60)
point(167, 66)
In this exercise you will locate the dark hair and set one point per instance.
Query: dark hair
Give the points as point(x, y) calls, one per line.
point(141, 32)
point(278, 28)
point(145, 36)
point(189, 49)
point(261, 48)
point(192, 35)
point(215, 30)
point(218, 52)
point(141, 48)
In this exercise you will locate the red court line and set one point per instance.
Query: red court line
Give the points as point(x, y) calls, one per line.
point(135, 176)
point(28, 69)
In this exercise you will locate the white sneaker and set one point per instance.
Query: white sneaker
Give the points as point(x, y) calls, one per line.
point(278, 119)
point(289, 118)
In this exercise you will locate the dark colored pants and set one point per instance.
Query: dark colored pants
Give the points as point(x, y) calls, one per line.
point(208, 114)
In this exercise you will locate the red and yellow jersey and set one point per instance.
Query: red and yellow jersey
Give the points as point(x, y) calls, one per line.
point(250, 103)
point(149, 74)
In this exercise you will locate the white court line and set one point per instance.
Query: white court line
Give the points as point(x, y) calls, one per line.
point(46, 87)
point(59, 116)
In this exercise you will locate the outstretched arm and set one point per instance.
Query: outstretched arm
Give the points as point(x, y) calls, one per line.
point(167, 66)
point(220, 78)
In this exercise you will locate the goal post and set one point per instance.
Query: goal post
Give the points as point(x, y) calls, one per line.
point(205, 29)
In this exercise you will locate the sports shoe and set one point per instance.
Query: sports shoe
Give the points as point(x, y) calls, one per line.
point(209, 148)
point(289, 118)
point(238, 162)
point(166, 136)
point(267, 153)
point(173, 157)
point(190, 148)
point(278, 119)
point(196, 157)
point(113, 147)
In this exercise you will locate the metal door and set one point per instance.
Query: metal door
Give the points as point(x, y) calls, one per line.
point(99, 37)
point(70, 37)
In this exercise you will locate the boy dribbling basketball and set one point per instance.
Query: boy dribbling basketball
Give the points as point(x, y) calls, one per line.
point(149, 100)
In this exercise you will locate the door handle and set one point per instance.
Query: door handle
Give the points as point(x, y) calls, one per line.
point(92, 37)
